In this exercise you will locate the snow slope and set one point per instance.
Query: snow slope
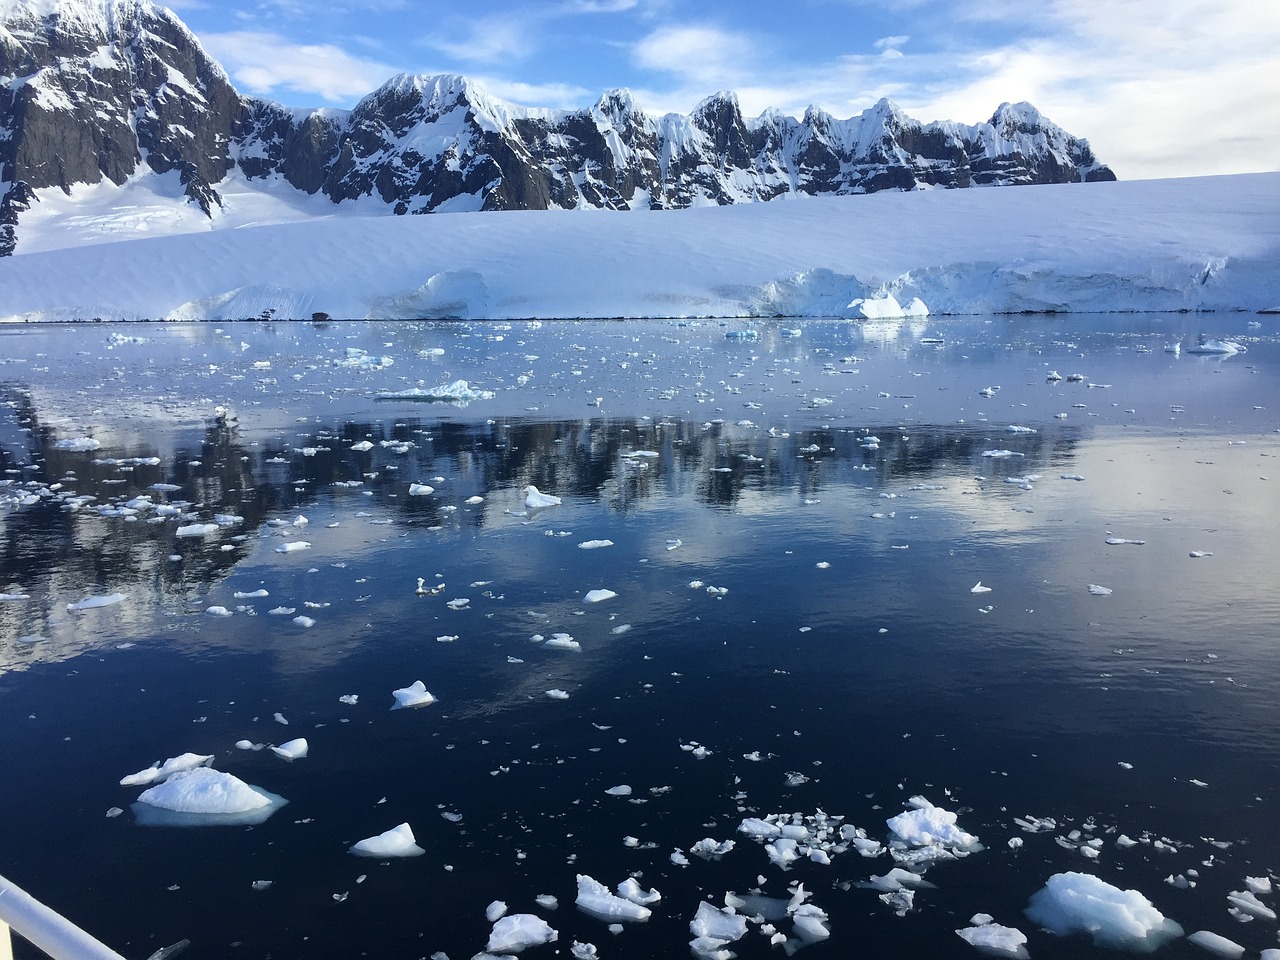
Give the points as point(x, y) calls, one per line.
point(1208, 243)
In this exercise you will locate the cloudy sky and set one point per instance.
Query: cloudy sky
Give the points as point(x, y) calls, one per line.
point(1161, 88)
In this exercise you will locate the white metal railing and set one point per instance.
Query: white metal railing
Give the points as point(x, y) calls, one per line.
point(47, 929)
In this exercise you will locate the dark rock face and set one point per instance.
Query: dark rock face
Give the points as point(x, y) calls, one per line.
point(101, 87)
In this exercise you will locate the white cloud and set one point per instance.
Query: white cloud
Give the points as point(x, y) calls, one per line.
point(891, 43)
point(267, 63)
point(705, 55)
point(485, 40)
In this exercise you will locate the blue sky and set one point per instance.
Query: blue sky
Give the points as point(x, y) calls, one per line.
point(1159, 87)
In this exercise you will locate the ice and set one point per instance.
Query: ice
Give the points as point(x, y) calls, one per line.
point(995, 940)
point(255, 595)
point(557, 694)
point(305, 622)
point(979, 588)
point(217, 611)
point(718, 924)
point(1100, 591)
point(78, 444)
point(519, 931)
point(196, 530)
point(1216, 944)
point(710, 849)
point(562, 641)
point(927, 825)
point(622, 790)
point(534, 499)
point(495, 911)
point(1247, 903)
point(92, 603)
point(396, 842)
point(293, 546)
point(598, 596)
point(1071, 903)
point(421, 490)
point(630, 889)
point(204, 796)
point(459, 393)
point(595, 544)
point(162, 771)
point(414, 695)
point(595, 899)
point(292, 750)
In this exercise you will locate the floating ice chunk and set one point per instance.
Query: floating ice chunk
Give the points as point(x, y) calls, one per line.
point(562, 641)
point(196, 530)
point(396, 842)
point(292, 750)
point(362, 446)
point(1198, 554)
point(282, 611)
point(698, 750)
point(1000, 454)
point(995, 940)
point(293, 546)
point(14, 597)
point(255, 595)
point(1258, 884)
point(421, 490)
point(927, 825)
point(1072, 476)
point(1246, 902)
point(495, 911)
point(709, 849)
point(204, 796)
point(162, 771)
point(414, 695)
point(598, 596)
point(630, 889)
point(534, 499)
point(1072, 902)
point(1219, 347)
point(897, 879)
point(304, 622)
point(351, 699)
point(518, 931)
point(459, 393)
point(546, 901)
point(557, 694)
point(595, 899)
point(217, 612)
point(595, 544)
point(78, 444)
point(720, 924)
point(92, 603)
point(1014, 428)
point(1100, 591)
point(1120, 541)
point(1216, 944)
point(622, 790)
point(979, 588)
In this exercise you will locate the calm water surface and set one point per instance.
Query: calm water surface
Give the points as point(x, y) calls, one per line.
point(833, 481)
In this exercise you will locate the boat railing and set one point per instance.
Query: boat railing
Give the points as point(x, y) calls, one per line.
point(45, 928)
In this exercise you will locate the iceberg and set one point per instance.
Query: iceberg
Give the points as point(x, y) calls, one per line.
point(396, 842)
point(204, 796)
point(595, 899)
point(518, 931)
point(414, 695)
point(1072, 903)
point(459, 393)
point(535, 499)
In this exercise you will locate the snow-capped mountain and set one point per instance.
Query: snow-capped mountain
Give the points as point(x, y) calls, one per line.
point(111, 89)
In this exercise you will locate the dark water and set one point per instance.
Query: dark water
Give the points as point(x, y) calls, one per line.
point(848, 647)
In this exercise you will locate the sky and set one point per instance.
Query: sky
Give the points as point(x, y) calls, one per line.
point(1160, 88)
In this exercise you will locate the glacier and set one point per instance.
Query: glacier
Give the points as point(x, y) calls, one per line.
point(1209, 243)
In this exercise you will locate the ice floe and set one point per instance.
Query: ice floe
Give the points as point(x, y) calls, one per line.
point(535, 499)
point(595, 899)
point(93, 603)
point(414, 695)
point(292, 750)
point(598, 596)
point(399, 841)
point(203, 796)
point(519, 931)
point(162, 771)
point(1071, 903)
point(995, 940)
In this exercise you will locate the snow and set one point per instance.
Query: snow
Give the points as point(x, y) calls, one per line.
point(1071, 903)
point(1202, 243)
point(396, 842)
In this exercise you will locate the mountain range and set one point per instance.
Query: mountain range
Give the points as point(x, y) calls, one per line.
point(112, 89)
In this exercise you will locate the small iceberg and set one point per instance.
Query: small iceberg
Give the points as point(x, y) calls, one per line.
point(293, 750)
point(518, 931)
point(459, 393)
point(163, 771)
point(1224, 348)
point(204, 797)
point(92, 603)
point(414, 695)
point(1072, 903)
point(595, 899)
point(535, 499)
point(396, 842)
